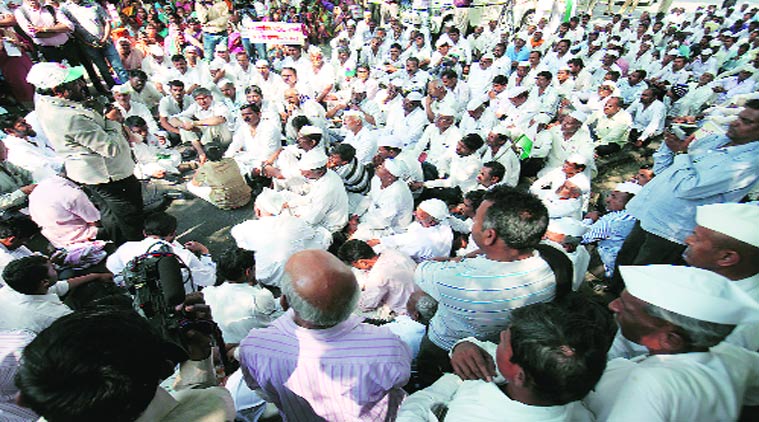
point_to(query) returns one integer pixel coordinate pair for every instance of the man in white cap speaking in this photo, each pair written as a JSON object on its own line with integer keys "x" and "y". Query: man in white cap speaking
{"x": 95, "y": 151}
{"x": 681, "y": 315}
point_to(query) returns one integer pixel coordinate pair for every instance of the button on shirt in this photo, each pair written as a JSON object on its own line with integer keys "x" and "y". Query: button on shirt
{"x": 709, "y": 173}
{"x": 476, "y": 296}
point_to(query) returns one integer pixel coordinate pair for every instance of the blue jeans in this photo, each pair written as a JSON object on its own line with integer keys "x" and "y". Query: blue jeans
{"x": 104, "y": 56}
{"x": 210, "y": 41}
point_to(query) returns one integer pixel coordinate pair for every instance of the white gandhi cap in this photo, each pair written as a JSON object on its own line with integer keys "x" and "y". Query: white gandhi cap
{"x": 739, "y": 221}
{"x": 691, "y": 292}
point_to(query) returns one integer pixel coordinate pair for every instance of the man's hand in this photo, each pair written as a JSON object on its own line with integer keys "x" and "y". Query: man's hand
{"x": 593, "y": 215}
{"x": 373, "y": 242}
{"x": 188, "y": 125}
{"x": 28, "y": 188}
{"x": 198, "y": 343}
{"x": 115, "y": 115}
{"x": 470, "y": 362}
{"x": 675, "y": 144}
{"x": 160, "y": 174}
{"x": 196, "y": 247}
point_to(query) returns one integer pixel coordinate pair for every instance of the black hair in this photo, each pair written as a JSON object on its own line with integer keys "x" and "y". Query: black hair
{"x": 135, "y": 121}
{"x": 232, "y": 264}
{"x": 472, "y": 141}
{"x": 24, "y": 275}
{"x": 520, "y": 219}
{"x": 137, "y": 73}
{"x": 178, "y": 58}
{"x": 160, "y": 224}
{"x": 496, "y": 169}
{"x": 95, "y": 365}
{"x": 253, "y": 106}
{"x": 176, "y": 82}
{"x": 546, "y": 74}
{"x": 353, "y": 250}
{"x": 346, "y": 151}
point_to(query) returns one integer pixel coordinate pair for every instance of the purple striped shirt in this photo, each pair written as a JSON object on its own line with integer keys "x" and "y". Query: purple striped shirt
{"x": 349, "y": 372}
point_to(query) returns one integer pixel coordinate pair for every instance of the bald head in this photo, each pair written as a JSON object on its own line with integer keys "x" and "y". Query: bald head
{"x": 320, "y": 288}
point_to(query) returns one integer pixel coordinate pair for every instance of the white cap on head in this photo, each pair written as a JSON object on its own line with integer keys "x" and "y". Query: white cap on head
{"x": 161, "y": 133}
{"x": 122, "y": 89}
{"x": 436, "y": 208}
{"x": 445, "y": 110}
{"x": 48, "y": 75}
{"x": 313, "y": 159}
{"x": 567, "y": 226}
{"x": 220, "y": 47}
{"x": 739, "y": 221}
{"x": 310, "y": 130}
{"x": 577, "y": 158}
{"x": 352, "y": 113}
{"x": 673, "y": 52}
{"x": 391, "y": 141}
{"x": 487, "y": 56}
{"x": 715, "y": 43}
{"x": 216, "y": 64}
{"x": 501, "y": 129}
{"x": 517, "y": 91}
{"x": 523, "y": 64}
{"x": 581, "y": 181}
{"x": 691, "y": 292}
{"x": 628, "y": 187}
{"x": 414, "y": 96}
{"x": 707, "y": 52}
{"x": 223, "y": 82}
{"x": 395, "y": 167}
{"x": 441, "y": 42}
{"x": 262, "y": 62}
{"x": 156, "y": 50}
{"x": 564, "y": 68}
{"x": 614, "y": 53}
{"x": 475, "y": 103}
{"x": 579, "y": 116}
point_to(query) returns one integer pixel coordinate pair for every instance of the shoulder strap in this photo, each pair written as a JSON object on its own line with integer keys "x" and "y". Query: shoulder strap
{"x": 561, "y": 266}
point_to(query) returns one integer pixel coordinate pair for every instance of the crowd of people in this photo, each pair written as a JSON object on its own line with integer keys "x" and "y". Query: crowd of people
{"x": 427, "y": 239}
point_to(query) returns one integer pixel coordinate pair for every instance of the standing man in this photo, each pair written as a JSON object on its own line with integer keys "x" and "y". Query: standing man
{"x": 213, "y": 16}
{"x": 92, "y": 28}
{"x": 96, "y": 152}
{"x": 714, "y": 169}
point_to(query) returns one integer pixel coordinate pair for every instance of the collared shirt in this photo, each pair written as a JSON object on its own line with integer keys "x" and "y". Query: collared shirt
{"x": 63, "y": 211}
{"x": 649, "y": 121}
{"x": 41, "y": 161}
{"x": 463, "y": 173}
{"x": 326, "y": 203}
{"x": 483, "y": 401}
{"x": 203, "y": 269}
{"x": 352, "y": 371}
{"x": 168, "y": 106}
{"x": 697, "y": 386}
{"x": 251, "y": 150}
{"x": 510, "y": 161}
{"x": 611, "y": 130}
{"x": 390, "y": 209}
{"x": 365, "y": 143}
{"x": 709, "y": 173}
{"x": 476, "y": 295}
{"x": 389, "y": 283}
{"x": 439, "y": 146}
{"x": 30, "y": 312}
{"x": 610, "y": 231}
{"x": 26, "y": 16}
{"x": 94, "y": 149}
{"x": 240, "y": 307}
{"x": 421, "y": 243}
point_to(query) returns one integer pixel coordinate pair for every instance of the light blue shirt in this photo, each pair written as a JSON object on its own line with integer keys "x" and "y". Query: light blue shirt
{"x": 709, "y": 173}
{"x": 610, "y": 231}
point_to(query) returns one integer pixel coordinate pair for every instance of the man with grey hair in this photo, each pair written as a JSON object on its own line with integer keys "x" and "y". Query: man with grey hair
{"x": 318, "y": 361}
{"x": 204, "y": 122}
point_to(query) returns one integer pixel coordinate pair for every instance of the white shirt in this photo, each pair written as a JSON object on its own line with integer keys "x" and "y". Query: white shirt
{"x": 421, "y": 243}
{"x": 699, "y": 386}
{"x": 203, "y": 269}
{"x": 240, "y": 307}
{"x": 326, "y": 203}
{"x": 649, "y": 120}
{"x": 463, "y": 173}
{"x": 390, "y": 209}
{"x": 439, "y": 146}
{"x": 510, "y": 161}
{"x": 31, "y": 312}
{"x": 389, "y": 283}
{"x": 39, "y": 160}
{"x": 365, "y": 144}
{"x": 249, "y": 150}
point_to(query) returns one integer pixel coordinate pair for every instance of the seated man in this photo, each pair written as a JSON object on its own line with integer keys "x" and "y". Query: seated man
{"x": 610, "y": 230}
{"x": 124, "y": 375}
{"x": 681, "y": 315}
{"x": 161, "y": 229}
{"x": 573, "y": 164}
{"x": 14, "y": 234}
{"x": 15, "y": 183}
{"x": 312, "y": 362}
{"x": 218, "y": 181}
{"x": 153, "y": 157}
{"x": 386, "y": 279}
{"x": 565, "y": 235}
{"x": 31, "y": 298}
{"x": 356, "y": 177}
{"x": 429, "y": 237}
{"x": 204, "y": 122}
{"x": 465, "y": 163}
{"x": 389, "y": 206}
{"x": 26, "y": 150}
{"x": 567, "y": 199}
{"x": 240, "y": 303}
{"x": 64, "y": 212}
{"x": 550, "y": 357}
{"x": 324, "y": 206}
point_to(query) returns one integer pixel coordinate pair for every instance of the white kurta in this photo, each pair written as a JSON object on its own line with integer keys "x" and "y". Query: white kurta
{"x": 389, "y": 211}
{"x": 421, "y": 243}
{"x": 702, "y": 386}
{"x": 249, "y": 150}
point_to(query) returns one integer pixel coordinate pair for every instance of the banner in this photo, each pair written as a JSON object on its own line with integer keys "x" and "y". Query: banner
{"x": 275, "y": 33}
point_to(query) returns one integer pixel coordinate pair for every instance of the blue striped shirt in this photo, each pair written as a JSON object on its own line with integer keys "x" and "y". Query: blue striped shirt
{"x": 476, "y": 296}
